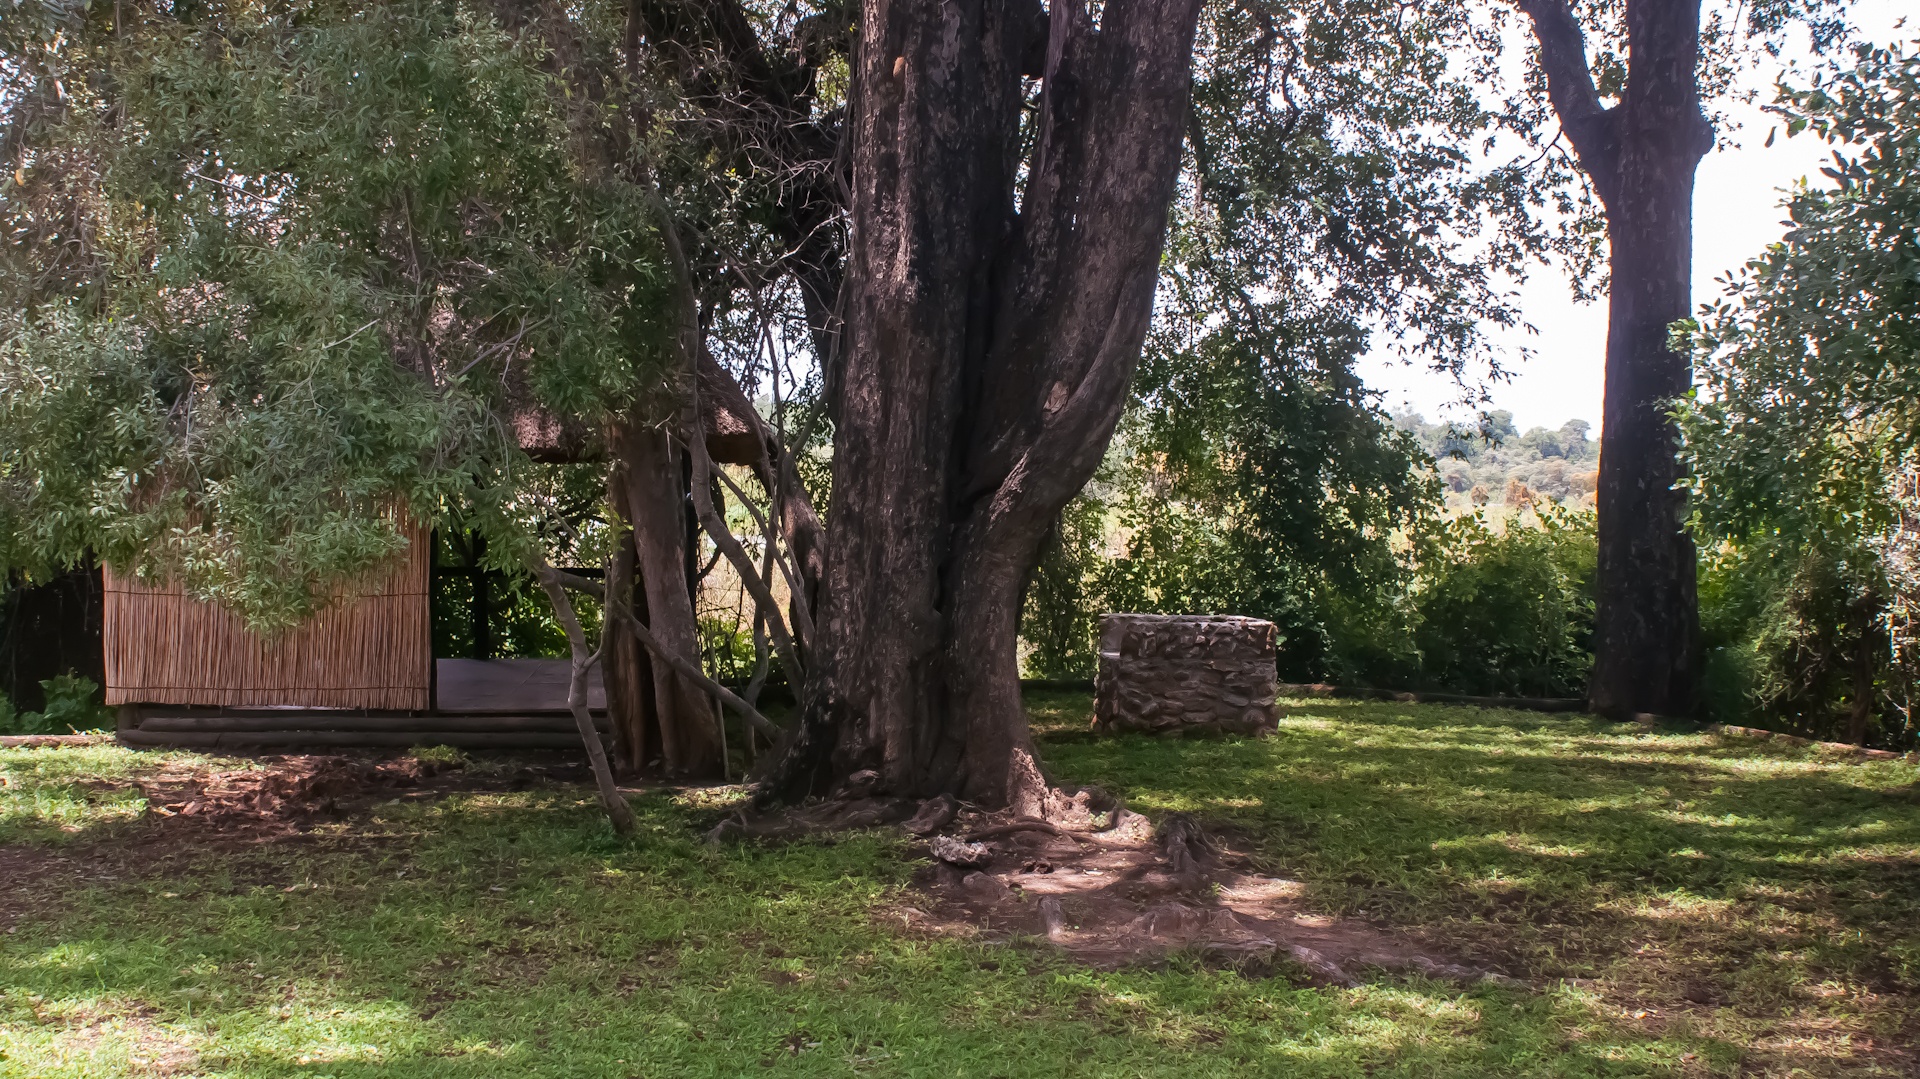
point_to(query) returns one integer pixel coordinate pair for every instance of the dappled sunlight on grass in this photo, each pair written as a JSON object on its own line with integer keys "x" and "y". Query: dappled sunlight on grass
{"x": 1680, "y": 905}
{"x": 1746, "y": 886}
{"x": 67, "y": 793}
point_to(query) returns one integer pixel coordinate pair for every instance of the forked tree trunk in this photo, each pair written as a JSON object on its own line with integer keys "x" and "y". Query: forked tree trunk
{"x": 580, "y": 666}
{"x": 1640, "y": 155}
{"x": 988, "y": 358}
{"x": 649, "y": 494}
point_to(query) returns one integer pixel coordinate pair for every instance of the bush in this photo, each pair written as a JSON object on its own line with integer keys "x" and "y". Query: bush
{"x": 1510, "y": 611}
{"x": 73, "y": 705}
{"x": 1461, "y": 606}
{"x": 1796, "y": 638}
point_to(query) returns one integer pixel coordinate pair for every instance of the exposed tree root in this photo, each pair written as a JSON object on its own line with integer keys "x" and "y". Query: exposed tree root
{"x": 793, "y": 822}
{"x": 1107, "y": 888}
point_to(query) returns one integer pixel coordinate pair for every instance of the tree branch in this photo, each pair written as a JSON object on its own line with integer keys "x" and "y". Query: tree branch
{"x": 618, "y": 811}
{"x": 716, "y": 530}
{"x": 1571, "y": 89}
{"x": 806, "y": 537}
{"x": 680, "y": 665}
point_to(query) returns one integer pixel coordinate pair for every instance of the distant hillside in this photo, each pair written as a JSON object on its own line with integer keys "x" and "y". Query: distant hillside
{"x": 1501, "y": 466}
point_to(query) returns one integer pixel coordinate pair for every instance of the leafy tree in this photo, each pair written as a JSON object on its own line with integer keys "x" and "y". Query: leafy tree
{"x": 1332, "y": 197}
{"x": 1629, "y": 104}
{"x": 1802, "y": 434}
{"x": 285, "y": 330}
{"x": 284, "y": 281}
{"x": 1272, "y": 485}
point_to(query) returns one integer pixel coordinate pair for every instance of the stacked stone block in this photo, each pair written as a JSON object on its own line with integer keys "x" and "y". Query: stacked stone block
{"x": 1175, "y": 674}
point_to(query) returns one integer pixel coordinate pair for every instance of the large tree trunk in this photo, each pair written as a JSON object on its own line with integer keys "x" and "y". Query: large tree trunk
{"x": 653, "y": 497}
{"x": 1641, "y": 155}
{"x": 627, "y": 669}
{"x": 987, "y": 362}
{"x": 1646, "y": 623}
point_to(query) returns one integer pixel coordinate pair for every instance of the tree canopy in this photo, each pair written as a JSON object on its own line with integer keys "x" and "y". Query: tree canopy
{"x": 278, "y": 278}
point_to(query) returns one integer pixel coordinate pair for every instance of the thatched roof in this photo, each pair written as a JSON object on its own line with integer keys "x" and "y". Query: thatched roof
{"x": 733, "y": 430}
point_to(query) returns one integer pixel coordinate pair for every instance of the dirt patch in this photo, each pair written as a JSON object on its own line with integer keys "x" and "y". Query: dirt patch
{"x": 285, "y": 794}
{"x": 1129, "y": 894}
{"x": 27, "y": 876}
{"x": 193, "y": 811}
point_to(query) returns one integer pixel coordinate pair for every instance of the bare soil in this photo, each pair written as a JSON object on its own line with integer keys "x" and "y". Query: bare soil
{"x": 1128, "y": 894}
{"x": 1106, "y": 887}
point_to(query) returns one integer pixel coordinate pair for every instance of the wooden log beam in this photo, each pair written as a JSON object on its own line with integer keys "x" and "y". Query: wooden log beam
{"x": 367, "y": 739}
{"x": 488, "y": 724}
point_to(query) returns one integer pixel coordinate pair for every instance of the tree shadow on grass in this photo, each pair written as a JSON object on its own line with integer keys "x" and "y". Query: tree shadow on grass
{"x": 1743, "y": 880}
{"x": 509, "y": 934}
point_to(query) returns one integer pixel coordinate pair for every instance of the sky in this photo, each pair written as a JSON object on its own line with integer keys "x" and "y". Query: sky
{"x": 1736, "y": 214}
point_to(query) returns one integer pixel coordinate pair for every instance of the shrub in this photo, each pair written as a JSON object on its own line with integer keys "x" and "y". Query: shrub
{"x": 1507, "y": 611}
{"x": 73, "y": 705}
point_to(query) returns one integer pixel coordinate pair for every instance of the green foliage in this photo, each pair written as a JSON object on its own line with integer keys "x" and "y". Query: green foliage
{"x": 323, "y": 261}
{"x": 1254, "y": 473}
{"x": 1797, "y": 638}
{"x": 1509, "y": 467}
{"x": 1809, "y": 369}
{"x": 73, "y": 705}
{"x": 1059, "y": 622}
{"x": 519, "y": 615}
{"x": 1804, "y": 430}
{"x": 1508, "y": 612}
{"x": 1456, "y": 605}
{"x": 1267, "y": 480}
{"x": 727, "y": 648}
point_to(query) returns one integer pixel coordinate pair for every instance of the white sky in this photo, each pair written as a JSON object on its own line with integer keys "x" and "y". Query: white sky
{"x": 1735, "y": 215}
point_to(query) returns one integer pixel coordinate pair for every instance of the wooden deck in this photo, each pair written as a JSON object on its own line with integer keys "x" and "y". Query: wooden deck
{"x": 483, "y": 704}
{"x": 508, "y": 686}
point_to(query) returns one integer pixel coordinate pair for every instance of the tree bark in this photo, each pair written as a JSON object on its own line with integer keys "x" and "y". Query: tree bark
{"x": 627, "y": 670}
{"x": 1640, "y": 155}
{"x": 648, "y": 476}
{"x": 988, "y": 356}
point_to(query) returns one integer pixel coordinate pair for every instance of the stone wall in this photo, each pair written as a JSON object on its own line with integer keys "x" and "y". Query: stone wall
{"x": 1176, "y": 673}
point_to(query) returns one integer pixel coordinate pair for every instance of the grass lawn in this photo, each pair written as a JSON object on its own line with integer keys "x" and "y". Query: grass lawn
{"x": 1677, "y": 903}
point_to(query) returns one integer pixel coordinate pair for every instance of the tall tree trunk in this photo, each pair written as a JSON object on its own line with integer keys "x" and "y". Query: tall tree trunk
{"x": 1640, "y": 155}
{"x": 627, "y": 669}
{"x": 649, "y": 478}
{"x": 987, "y": 361}
{"x": 1646, "y": 621}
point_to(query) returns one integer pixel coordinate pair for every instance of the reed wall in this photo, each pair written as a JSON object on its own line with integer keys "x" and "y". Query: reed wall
{"x": 371, "y": 649}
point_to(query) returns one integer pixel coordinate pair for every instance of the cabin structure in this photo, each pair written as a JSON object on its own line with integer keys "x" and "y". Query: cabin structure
{"x": 363, "y": 672}
{"x": 182, "y": 672}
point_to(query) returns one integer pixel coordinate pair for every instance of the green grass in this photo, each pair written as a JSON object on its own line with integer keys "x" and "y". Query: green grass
{"x": 1620, "y": 871}
{"x": 53, "y": 796}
